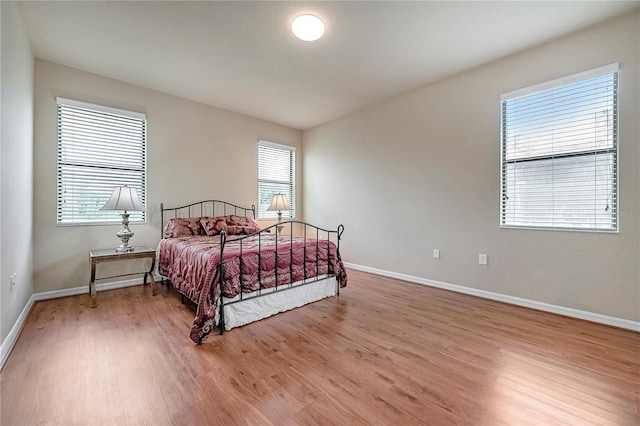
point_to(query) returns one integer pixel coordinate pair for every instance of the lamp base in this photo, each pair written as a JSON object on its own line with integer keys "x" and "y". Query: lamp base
{"x": 124, "y": 234}
{"x": 122, "y": 248}
{"x": 279, "y": 227}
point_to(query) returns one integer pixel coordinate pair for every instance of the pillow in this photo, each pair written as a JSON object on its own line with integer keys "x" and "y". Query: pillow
{"x": 213, "y": 225}
{"x": 233, "y": 220}
{"x": 182, "y": 227}
{"x": 241, "y": 230}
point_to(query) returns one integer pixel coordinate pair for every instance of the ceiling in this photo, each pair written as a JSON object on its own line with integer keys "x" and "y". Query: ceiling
{"x": 242, "y": 56}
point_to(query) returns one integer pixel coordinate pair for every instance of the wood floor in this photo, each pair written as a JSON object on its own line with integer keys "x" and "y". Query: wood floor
{"x": 384, "y": 352}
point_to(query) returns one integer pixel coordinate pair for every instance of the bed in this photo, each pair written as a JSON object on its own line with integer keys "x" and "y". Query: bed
{"x": 215, "y": 254}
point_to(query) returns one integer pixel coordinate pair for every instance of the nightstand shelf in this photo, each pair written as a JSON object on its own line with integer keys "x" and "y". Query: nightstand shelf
{"x": 111, "y": 255}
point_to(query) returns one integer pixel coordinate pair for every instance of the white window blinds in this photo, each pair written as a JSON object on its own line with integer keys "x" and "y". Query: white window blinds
{"x": 276, "y": 174}
{"x": 559, "y": 152}
{"x": 98, "y": 148}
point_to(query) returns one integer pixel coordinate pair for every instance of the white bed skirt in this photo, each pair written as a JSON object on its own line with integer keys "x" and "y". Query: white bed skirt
{"x": 256, "y": 308}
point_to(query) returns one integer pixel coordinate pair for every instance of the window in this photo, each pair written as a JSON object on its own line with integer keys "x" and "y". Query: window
{"x": 559, "y": 156}
{"x": 98, "y": 148}
{"x": 276, "y": 174}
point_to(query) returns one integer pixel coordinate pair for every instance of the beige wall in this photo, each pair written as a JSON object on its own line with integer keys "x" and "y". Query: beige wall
{"x": 195, "y": 152}
{"x": 421, "y": 171}
{"x": 16, "y": 178}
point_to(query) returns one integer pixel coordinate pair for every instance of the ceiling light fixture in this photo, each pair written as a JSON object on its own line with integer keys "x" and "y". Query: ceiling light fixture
{"x": 307, "y": 27}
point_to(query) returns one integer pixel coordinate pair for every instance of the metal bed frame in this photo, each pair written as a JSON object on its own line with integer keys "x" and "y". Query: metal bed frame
{"x": 202, "y": 208}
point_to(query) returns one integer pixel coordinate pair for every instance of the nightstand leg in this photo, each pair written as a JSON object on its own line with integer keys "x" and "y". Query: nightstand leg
{"x": 92, "y": 285}
{"x": 150, "y": 273}
{"x": 153, "y": 284}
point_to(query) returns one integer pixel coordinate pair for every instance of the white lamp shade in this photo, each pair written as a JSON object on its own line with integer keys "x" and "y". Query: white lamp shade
{"x": 124, "y": 198}
{"x": 279, "y": 202}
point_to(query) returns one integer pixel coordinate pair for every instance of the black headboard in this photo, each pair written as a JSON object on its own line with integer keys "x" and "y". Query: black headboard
{"x": 209, "y": 208}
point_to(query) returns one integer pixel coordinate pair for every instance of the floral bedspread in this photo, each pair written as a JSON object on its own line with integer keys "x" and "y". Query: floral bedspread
{"x": 192, "y": 265}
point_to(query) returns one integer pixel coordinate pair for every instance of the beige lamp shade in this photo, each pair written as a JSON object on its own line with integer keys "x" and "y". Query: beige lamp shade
{"x": 124, "y": 198}
{"x": 279, "y": 202}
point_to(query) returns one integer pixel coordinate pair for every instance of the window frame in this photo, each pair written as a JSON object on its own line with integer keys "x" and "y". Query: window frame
{"x": 113, "y": 217}
{"x": 555, "y": 84}
{"x": 292, "y": 200}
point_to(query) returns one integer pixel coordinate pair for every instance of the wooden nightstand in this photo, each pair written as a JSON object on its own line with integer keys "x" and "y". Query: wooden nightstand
{"x": 110, "y": 255}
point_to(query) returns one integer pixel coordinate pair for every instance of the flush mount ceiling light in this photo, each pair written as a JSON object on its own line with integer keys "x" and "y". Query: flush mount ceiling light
{"x": 307, "y": 27}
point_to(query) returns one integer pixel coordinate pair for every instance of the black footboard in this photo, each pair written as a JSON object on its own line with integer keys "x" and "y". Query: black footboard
{"x": 312, "y": 240}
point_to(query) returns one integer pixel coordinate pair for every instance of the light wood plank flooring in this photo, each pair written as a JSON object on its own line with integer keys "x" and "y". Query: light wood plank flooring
{"x": 385, "y": 352}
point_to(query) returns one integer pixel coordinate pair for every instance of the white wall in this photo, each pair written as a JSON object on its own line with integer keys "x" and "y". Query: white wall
{"x": 16, "y": 156}
{"x": 422, "y": 171}
{"x": 194, "y": 152}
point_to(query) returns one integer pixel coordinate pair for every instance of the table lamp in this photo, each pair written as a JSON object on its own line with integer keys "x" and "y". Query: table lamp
{"x": 124, "y": 198}
{"x": 279, "y": 202}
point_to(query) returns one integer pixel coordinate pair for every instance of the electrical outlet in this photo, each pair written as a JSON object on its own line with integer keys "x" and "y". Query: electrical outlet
{"x": 482, "y": 259}
{"x": 13, "y": 281}
{"x": 436, "y": 253}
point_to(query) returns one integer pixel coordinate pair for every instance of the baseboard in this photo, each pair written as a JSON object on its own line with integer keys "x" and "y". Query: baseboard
{"x": 533, "y": 304}
{"x": 12, "y": 337}
{"x": 46, "y": 295}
